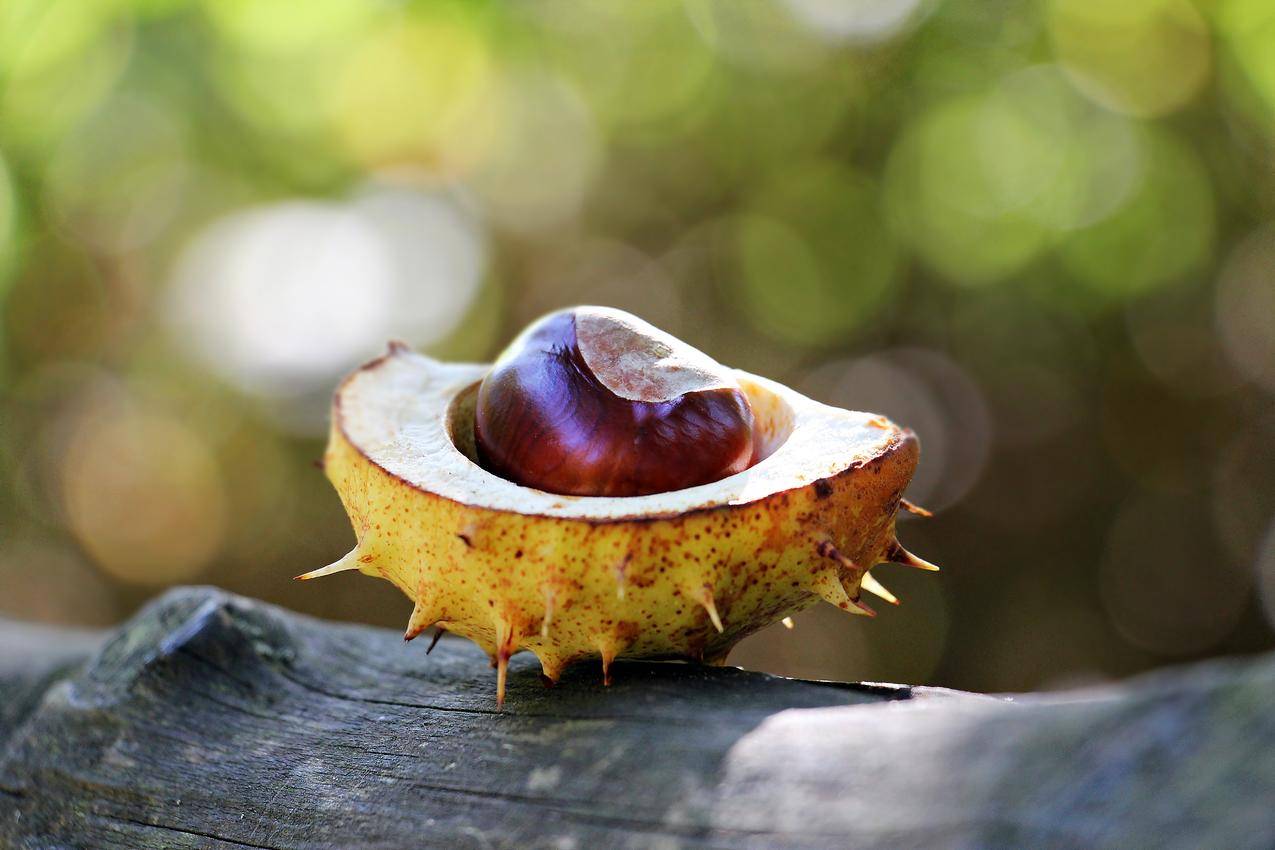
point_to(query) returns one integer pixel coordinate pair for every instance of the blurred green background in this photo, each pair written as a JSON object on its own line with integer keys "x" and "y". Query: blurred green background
{"x": 1040, "y": 233}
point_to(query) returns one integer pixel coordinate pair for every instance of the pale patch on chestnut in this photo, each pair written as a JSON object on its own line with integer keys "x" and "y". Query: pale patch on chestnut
{"x": 638, "y": 361}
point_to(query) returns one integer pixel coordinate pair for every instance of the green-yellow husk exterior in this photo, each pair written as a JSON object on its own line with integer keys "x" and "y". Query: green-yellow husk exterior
{"x": 691, "y": 584}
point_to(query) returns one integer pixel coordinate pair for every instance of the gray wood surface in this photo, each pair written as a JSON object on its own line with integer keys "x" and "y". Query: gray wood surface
{"x": 214, "y": 721}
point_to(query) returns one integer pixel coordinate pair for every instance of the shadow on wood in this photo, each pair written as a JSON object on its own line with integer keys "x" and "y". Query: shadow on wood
{"x": 214, "y": 721}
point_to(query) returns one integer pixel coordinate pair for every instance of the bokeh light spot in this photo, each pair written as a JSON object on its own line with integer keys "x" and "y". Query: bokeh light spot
{"x": 1171, "y": 331}
{"x": 739, "y": 152}
{"x": 40, "y": 34}
{"x": 604, "y": 272}
{"x": 142, "y": 494}
{"x": 1142, "y": 57}
{"x": 280, "y": 300}
{"x": 663, "y": 73}
{"x": 437, "y": 249}
{"x": 930, "y": 394}
{"x": 58, "y": 61}
{"x": 1243, "y": 498}
{"x": 856, "y": 21}
{"x": 541, "y": 156}
{"x": 1247, "y": 28}
{"x": 58, "y": 306}
{"x": 1164, "y": 587}
{"x": 1246, "y": 307}
{"x": 816, "y": 261}
{"x": 759, "y": 36}
{"x": 1035, "y": 394}
{"x": 1070, "y": 162}
{"x": 288, "y": 25}
{"x": 950, "y": 198}
{"x": 981, "y": 185}
{"x": 49, "y": 582}
{"x": 1163, "y": 232}
{"x": 414, "y": 92}
{"x": 116, "y": 181}
{"x": 284, "y": 98}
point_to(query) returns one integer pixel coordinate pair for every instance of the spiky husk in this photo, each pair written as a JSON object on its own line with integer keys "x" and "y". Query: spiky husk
{"x": 688, "y": 585}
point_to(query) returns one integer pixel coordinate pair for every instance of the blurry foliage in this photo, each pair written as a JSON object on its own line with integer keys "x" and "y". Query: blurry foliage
{"x": 1043, "y": 234}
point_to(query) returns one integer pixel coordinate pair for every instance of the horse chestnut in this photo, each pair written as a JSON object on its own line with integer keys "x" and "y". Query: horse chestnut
{"x": 593, "y": 401}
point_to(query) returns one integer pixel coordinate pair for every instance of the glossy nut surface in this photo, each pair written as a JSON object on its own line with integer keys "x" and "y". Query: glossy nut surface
{"x": 596, "y": 402}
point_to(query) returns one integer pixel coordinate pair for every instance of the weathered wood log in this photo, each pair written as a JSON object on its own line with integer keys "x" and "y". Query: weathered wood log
{"x": 215, "y": 721}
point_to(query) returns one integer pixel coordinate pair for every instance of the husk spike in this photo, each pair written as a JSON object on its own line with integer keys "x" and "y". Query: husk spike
{"x": 861, "y": 607}
{"x": 916, "y": 509}
{"x": 350, "y": 561}
{"x": 424, "y": 614}
{"x": 506, "y": 646}
{"x": 608, "y": 655}
{"x": 706, "y": 599}
{"x": 873, "y": 586}
{"x": 896, "y": 554}
{"x": 550, "y": 665}
{"x": 418, "y": 623}
{"x": 502, "y": 673}
{"x": 828, "y": 586}
{"x": 828, "y": 550}
{"x": 438, "y": 633}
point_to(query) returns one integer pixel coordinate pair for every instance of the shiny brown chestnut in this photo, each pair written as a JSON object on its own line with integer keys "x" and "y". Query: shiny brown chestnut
{"x": 592, "y": 401}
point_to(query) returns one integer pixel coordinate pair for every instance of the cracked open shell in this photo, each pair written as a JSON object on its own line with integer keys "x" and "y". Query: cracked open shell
{"x": 678, "y": 574}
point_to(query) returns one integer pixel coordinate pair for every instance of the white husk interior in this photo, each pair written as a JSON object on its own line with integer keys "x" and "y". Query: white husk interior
{"x": 398, "y": 415}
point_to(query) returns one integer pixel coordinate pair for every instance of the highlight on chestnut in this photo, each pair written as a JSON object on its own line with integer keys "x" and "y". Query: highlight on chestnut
{"x": 605, "y": 490}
